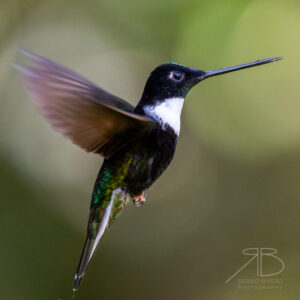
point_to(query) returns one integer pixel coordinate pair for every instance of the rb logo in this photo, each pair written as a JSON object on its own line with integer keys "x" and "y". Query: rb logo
{"x": 258, "y": 254}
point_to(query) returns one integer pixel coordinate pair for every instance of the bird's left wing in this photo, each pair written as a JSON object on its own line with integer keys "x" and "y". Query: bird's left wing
{"x": 90, "y": 117}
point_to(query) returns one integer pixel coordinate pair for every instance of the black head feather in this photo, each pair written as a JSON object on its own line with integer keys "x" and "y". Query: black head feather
{"x": 168, "y": 81}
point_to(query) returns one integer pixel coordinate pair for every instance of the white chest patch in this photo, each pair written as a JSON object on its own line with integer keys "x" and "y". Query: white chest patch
{"x": 166, "y": 112}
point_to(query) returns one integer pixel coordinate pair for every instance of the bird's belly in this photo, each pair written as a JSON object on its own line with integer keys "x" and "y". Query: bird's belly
{"x": 139, "y": 176}
{"x": 150, "y": 158}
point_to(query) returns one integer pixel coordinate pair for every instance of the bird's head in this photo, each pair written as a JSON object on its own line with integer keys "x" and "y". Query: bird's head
{"x": 170, "y": 80}
{"x": 168, "y": 85}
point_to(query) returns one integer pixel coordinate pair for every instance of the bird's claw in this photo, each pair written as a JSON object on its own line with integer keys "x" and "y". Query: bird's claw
{"x": 139, "y": 200}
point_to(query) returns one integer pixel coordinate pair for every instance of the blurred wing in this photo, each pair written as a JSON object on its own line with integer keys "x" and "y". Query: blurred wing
{"x": 90, "y": 117}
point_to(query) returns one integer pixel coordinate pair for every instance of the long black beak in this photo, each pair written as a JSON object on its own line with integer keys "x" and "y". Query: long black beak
{"x": 211, "y": 73}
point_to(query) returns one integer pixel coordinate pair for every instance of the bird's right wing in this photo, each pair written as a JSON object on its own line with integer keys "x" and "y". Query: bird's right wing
{"x": 90, "y": 117}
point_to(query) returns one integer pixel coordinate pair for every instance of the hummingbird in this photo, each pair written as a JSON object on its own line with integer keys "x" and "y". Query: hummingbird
{"x": 137, "y": 143}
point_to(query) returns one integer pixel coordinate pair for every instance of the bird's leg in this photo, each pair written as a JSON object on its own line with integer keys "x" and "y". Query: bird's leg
{"x": 140, "y": 199}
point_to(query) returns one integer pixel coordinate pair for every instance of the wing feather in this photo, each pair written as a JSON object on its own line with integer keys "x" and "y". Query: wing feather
{"x": 89, "y": 116}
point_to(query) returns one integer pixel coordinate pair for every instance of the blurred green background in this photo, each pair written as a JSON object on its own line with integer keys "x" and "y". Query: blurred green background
{"x": 234, "y": 182}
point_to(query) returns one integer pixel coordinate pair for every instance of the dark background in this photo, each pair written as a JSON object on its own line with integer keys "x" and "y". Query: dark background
{"x": 234, "y": 182}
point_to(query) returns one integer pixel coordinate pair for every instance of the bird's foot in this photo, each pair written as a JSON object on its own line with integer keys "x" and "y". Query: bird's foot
{"x": 139, "y": 200}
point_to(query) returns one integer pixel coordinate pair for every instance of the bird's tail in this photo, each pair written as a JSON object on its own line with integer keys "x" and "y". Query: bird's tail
{"x": 84, "y": 261}
{"x": 107, "y": 215}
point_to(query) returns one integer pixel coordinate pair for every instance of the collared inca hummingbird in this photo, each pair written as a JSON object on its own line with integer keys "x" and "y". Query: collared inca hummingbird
{"x": 137, "y": 143}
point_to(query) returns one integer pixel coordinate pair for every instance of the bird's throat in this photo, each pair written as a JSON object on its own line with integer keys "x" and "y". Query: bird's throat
{"x": 166, "y": 112}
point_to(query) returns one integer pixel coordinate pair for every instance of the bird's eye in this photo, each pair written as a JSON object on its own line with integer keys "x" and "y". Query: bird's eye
{"x": 176, "y": 76}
